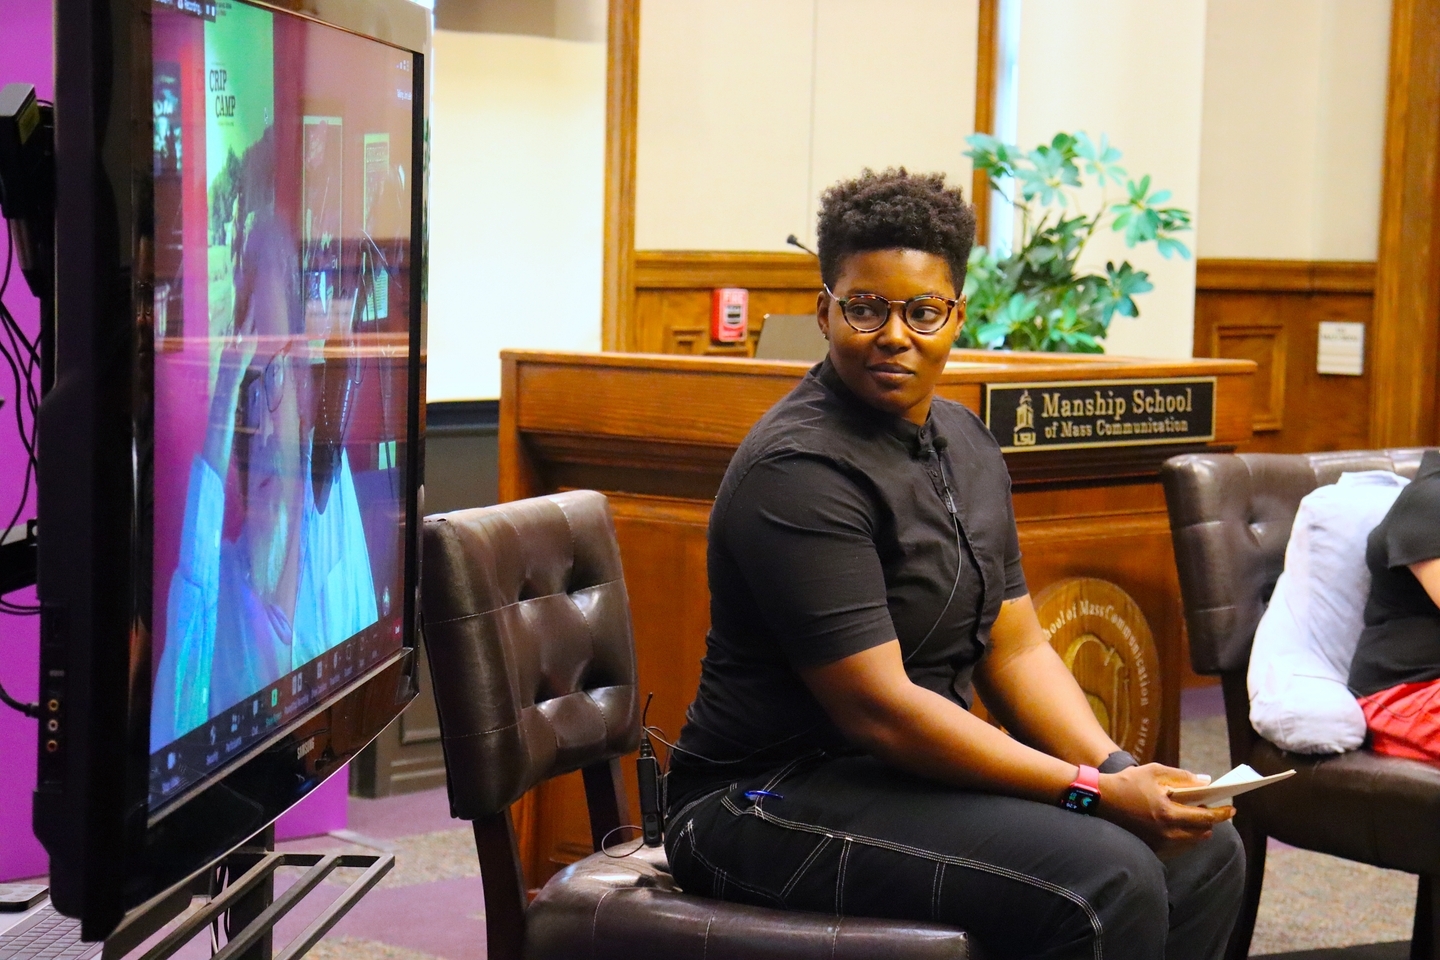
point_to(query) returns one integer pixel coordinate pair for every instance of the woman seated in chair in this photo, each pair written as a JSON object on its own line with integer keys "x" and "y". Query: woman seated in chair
{"x": 864, "y": 571}
{"x": 1396, "y": 670}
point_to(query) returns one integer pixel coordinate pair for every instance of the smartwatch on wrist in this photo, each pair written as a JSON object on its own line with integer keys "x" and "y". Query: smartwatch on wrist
{"x": 1083, "y": 795}
{"x": 1117, "y": 761}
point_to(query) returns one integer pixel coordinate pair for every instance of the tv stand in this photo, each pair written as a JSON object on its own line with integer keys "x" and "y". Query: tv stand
{"x": 249, "y": 898}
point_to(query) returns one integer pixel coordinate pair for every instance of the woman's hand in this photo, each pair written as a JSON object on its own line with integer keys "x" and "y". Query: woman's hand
{"x": 1139, "y": 800}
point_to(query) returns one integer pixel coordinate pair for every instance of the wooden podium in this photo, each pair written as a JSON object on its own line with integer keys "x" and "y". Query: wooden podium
{"x": 655, "y": 433}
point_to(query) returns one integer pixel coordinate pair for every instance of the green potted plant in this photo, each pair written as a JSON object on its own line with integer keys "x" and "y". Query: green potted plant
{"x": 1033, "y": 297}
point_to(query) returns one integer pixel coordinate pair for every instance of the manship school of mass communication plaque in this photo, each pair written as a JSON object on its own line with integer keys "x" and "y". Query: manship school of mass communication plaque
{"x": 1071, "y": 414}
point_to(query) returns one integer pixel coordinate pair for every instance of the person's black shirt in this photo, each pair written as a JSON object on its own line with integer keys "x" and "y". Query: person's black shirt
{"x": 1401, "y": 640}
{"x": 831, "y": 535}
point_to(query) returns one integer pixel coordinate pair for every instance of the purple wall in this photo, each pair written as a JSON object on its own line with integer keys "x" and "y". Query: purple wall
{"x": 325, "y": 809}
{"x": 26, "y": 54}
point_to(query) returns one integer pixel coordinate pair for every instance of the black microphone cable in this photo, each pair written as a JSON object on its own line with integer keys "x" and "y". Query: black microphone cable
{"x": 652, "y": 785}
{"x": 937, "y": 449}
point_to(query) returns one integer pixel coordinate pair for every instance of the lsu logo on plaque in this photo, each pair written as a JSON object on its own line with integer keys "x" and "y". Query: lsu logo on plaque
{"x": 1065, "y": 415}
{"x": 1100, "y": 633}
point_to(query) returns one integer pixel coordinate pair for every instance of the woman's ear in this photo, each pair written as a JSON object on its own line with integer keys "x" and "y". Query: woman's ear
{"x": 822, "y": 313}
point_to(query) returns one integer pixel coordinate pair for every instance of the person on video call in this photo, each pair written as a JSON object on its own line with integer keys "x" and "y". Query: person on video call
{"x": 296, "y": 581}
{"x": 864, "y": 568}
{"x": 1396, "y": 669}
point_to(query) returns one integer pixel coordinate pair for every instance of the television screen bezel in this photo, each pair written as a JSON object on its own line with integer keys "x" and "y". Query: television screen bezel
{"x": 108, "y": 854}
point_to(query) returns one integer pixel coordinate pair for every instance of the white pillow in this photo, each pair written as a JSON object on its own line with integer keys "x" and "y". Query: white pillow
{"x": 1300, "y": 663}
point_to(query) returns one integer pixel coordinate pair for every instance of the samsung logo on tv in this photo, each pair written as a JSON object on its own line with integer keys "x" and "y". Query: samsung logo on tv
{"x": 304, "y": 748}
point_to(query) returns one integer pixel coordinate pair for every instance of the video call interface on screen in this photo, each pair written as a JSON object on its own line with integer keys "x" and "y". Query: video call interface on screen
{"x": 283, "y": 189}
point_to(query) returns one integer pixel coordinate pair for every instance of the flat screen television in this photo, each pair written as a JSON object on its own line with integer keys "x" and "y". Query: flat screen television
{"x": 231, "y": 453}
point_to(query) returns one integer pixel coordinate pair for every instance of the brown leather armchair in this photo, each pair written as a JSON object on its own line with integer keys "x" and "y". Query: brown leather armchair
{"x": 527, "y": 628}
{"x": 1230, "y": 519}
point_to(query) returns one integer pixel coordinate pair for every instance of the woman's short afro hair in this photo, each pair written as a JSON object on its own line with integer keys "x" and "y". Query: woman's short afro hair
{"x": 894, "y": 210}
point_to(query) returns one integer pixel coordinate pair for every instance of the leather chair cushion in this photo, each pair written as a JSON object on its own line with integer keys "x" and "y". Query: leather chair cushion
{"x": 1356, "y": 805}
{"x": 605, "y": 908}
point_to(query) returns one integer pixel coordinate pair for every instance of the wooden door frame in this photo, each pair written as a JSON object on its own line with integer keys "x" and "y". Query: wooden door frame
{"x": 622, "y": 101}
{"x": 1405, "y": 341}
{"x": 987, "y": 62}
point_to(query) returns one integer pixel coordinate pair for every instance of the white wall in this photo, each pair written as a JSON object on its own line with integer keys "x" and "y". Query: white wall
{"x": 516, "y": 203}
{"x": 749, "y": 108}
{"x": 894, "y": 86}
{"x": 1294, "y": 128}
{"x": 723, "y": 135}
{"x": 1132, "y": 69}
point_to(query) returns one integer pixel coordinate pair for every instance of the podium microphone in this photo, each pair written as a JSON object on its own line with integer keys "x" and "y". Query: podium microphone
{"x": 794, "y": 241}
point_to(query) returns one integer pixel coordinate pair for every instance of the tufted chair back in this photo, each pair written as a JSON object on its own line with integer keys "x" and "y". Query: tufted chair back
{"x": 1230, "y": 518}
{"x": 527, "y": 629}
{"x": 527, "y": 626}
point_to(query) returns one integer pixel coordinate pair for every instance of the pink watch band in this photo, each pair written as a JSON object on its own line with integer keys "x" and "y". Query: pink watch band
{"x": 1089, "y": 778}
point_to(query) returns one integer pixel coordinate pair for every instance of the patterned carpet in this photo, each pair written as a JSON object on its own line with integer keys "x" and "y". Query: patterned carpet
{"x": 430, "y": 906}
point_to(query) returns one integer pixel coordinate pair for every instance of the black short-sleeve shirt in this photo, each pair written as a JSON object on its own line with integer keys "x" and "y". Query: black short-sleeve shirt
{"x": 830, "y": 535}
{"x": 1401, "y": 640}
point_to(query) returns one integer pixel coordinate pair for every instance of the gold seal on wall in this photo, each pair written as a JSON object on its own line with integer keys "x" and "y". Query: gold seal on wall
{"x": 1102, "y": 636}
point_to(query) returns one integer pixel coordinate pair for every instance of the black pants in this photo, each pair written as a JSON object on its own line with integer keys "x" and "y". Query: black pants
{"x": 852, "y": 836}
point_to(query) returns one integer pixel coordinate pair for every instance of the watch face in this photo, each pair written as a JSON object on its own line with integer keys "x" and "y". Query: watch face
{"x": 1080, "y": 800}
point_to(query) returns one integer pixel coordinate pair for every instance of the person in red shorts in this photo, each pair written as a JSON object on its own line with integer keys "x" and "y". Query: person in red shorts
{"x": 1396, "y": 670}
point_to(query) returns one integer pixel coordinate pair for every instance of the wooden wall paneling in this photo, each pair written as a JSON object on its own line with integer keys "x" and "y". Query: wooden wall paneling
{"x": 517, "y": 472}
{"x": 1335, "y": 414}
{"x": 703, "y": 269}
{"x": 678, "y": 321}
{"x": 557, "y": 836}
{"x": 629, "y": 399}
{"x": 987, "y": 59}
{"x": 1270, "y": 311}
{"x": 1263, "y": 342}
{"x": 622, "y": 93}
{"x": 1285, "y": 276}
{"x": 672, "y": 295}
{"x": 1406, "y": 340}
